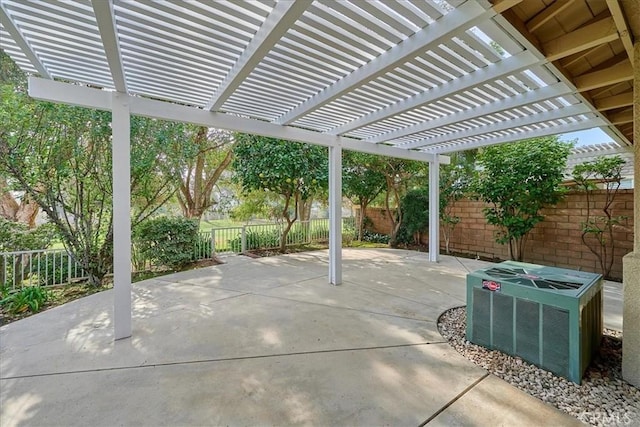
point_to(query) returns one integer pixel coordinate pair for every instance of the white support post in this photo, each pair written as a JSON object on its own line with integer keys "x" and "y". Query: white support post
{"x": 434, "y": 210}
{"x": 120, "y": 148}
{"x": 335, "y": 215}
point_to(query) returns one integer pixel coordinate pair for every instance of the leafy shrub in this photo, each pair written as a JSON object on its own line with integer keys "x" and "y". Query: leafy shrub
{"x": 257, "y": 240}
{"x": 263, "y": 239}
{"x": 167, "y": 241}
{"x": 367, "y": 223}
{"x": 370, "y": 236}
{"x": 298, "y": 235}
{"x": 415, "y": 211}
{"x": 30, "y": 298}
{"x": 320, "y": 233}
{"x": 15, "y": 236}
{"x": 54, "y": 270}
{"x": 202, "y": 248}
{"x": 349, "y": 233}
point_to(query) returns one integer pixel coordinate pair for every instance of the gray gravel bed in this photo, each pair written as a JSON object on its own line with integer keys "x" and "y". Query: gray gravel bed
{"x": 603, "y": 398}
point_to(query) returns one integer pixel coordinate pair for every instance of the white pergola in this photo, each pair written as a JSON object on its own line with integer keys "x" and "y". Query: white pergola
{"x": 414, "y": 79}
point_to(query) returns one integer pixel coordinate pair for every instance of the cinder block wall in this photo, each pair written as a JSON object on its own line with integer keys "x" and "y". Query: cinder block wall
{"x": 556, "y": 241}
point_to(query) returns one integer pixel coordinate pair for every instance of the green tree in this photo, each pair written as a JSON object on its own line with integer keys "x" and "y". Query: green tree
{"x": 199, "y": 156}
{"x": 360, "y": 182}
{"x": 152, "y": 163}
{"x": 597, "y": 230}
{"x": 293, "y": 170}
{"x": 18, "y": 209}
{"x": 257, "y": 204}
{"x": 455, "y": 179}
{"x": 398, "y": 175}
{"x": 60, "y": 156}
{"x": 415, "y": 215}
{"x": 517, "y": 180}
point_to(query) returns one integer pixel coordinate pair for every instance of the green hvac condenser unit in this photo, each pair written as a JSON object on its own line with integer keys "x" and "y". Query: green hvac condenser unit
{"x": 551, "y": 317}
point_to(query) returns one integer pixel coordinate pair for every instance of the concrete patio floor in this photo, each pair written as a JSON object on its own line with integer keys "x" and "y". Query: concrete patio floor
{"x": 265, "y": 342}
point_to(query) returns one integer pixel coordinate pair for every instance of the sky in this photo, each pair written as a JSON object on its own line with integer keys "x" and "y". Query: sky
{"x": 587, "y": 137}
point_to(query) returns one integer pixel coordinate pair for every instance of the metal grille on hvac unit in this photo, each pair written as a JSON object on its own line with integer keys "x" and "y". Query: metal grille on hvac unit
{"x": 550, "y": 317}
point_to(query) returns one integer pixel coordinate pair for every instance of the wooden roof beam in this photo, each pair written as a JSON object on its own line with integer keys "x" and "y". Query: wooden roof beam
{"x": 500, "y": 6}
{"x": 584, "y": 38}
{"x": 621, "y": 24}
{"x": 622, "y": 117}
{"x": 606, "y": 91}
{"x": 620, "y": 72}
{"x": 572, "y": 59}
{"x": 616, "y": 101}
{"x": 547, "y": 14}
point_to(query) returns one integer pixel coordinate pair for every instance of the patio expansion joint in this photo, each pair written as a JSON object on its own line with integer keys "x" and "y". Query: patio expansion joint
{"x": 455, "y": 399}
{"x": 221, "y": 359}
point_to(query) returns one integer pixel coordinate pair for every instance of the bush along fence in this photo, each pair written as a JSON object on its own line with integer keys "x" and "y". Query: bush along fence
{"x": 50, "y": 267}
{"x": 267, "y": 236}
{"x": 555, "y": 242}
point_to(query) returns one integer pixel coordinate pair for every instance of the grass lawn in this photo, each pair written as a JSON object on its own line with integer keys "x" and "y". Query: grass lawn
{"x": 221, "y": 223}
{"x": 217, "y": 223}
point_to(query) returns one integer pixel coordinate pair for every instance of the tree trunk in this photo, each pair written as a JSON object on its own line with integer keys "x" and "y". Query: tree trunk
{"x": 304, "y": 209}
{"x": 24, "y": 212}
{"x": 395, "y": 219}
{"x": 363, "y": 214}
{"x": 289, "y": 220}
{"x": 28, "y": 212}
{"x": 8, "y": 204}
{"x": 196, "y": 187}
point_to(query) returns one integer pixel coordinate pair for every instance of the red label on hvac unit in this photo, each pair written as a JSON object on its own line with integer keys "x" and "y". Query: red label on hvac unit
{"x": 491, "y": 285}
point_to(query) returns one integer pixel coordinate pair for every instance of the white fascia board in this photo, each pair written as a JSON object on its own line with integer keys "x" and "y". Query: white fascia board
{"x": 531, "y": 97}
{"x": 615, "y": 134}
{"x": 66, "y": 93}
{"x": 103, "y": 10}
{"x": 573, "y": 110}
{"x": 490, "y": 73}
{"x": 443, "y": 29}
{"x": 554, "y": 130}
{"x": 173, "y": 112}
{"x": 83, "y": 96}
{"x": 283, "y": 16}
{"x": 22, "y": 43}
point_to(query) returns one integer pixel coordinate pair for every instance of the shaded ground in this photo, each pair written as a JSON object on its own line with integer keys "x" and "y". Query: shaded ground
{"x": 262, "y": 342}
{"x": 59, "y": 295}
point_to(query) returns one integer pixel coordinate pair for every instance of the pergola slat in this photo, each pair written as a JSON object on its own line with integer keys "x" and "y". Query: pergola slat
{"x": 437, "y": 32}
{"x": 507, "y": 66}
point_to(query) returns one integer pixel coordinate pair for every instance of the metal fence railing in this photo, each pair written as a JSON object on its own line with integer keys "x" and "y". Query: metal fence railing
{"x": 49, "y": 267}
{"x": 45, "y": 267}
{"x": 268, "y": 236}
